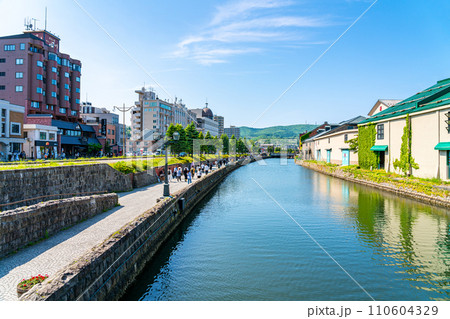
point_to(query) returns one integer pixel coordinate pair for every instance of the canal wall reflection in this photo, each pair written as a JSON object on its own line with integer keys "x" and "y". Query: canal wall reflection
{"x": 412, "y": 236}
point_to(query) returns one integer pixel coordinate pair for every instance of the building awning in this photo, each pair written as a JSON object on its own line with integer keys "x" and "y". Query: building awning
{"x": 379, "y": 148}
{"x": 443, "y": 146}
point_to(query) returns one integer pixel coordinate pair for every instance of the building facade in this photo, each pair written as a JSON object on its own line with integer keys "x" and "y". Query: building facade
{"x": 220, "y": 121}
{"x": 333, "y": 146}
{"x": 151, "y": 115}
{"x": 11, "y": 130}
{"x": 233, "y": 130}
{"x": 41, "y": 141}
{"x": 429, "y": 117}
{"x": 205, "y": 121}
{"x": 36, "y": 75}
{"x": 108, "y": 125}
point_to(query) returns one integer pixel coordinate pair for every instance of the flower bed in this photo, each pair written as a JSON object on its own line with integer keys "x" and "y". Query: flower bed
{"x": 27, "y": 284}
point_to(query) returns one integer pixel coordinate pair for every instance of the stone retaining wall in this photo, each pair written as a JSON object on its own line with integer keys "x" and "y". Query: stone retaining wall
{"x": 41, "y": 184}
{"x": 109, "y": 268}
{"x": 21, "y": 226}
{"x": 429, "y": 199}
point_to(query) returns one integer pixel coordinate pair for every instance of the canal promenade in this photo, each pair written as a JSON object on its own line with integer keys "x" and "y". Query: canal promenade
{"x": 56, "y": 252}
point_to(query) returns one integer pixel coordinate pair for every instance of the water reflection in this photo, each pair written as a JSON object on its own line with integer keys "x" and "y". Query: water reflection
{"x": 413, "y": 238}
{"x": 239, "y": 245}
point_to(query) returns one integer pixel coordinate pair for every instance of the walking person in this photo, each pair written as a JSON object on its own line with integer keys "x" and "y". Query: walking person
{"x": 174, "y": 174}
{"x": 189, "y": 177}
{"x": 179, "y": 174}
{"x": 185, "y": 173}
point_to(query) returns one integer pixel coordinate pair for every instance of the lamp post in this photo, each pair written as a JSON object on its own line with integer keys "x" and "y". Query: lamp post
{"x": 175, "y": 137}
{"x": 124, "y": 143}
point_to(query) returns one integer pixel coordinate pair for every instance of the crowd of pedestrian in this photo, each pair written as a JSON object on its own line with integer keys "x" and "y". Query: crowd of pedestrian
{"x": 178, "y": 173}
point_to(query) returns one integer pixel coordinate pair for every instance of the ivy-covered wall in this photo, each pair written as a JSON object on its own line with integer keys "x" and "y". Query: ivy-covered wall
{"x": 366, "y": 139}
{"x": 406, "y": 161}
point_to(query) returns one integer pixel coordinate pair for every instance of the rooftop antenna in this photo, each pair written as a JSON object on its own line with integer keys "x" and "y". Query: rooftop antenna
{"x": 28, "y": 25}
{"x": 206, "y": 102}
{"x": 45, "y": 28}
{"x": 34, "y": 23}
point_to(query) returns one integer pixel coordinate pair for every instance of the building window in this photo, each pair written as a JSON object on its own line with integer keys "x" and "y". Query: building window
{"x": 53, "y": 94}
{"x": 52, "y": 56}
{"x": 66, "y": 74}
{"x": 52, "y": 136}
{"x": 66, "y": 86}
{"x": 345, "y": 137}
{"x": 2, "y": 60}
{"x": 380, "y": 131}
{"x": 19, "y": 88}
{"x": 35, "y": 105}
{"x": 39, "y": 64}
{"x": 2, "y": 73}
{"x": 66, "y": 98}
{"x": 19, "y": 75}
{"x": 19, "y": 61}
{"x": 77, "y": 90}
{"x": 54, "y": 82}
{"x": 22, "y": 46}
{"x": 77, "y": 79}
{"x": 10, "y": 47}
{"x": 77, "y": 101}
{"x": 54, "y": 69}
{"x": 74, "y": 113}
{"x": 62, "y": 110}
{"x": 2, "y": 87}
{"x": 15, "y": 128}
{"x": 39, "y": 90}
{"x": 39, "y": 77}
{"x": 43, "y": 136}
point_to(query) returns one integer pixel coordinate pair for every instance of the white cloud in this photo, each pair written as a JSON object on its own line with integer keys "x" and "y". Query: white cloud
{"x": 240, "y": 27}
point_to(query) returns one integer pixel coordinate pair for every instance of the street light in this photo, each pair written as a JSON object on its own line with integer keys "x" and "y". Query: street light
{"x": 175, "y": 137}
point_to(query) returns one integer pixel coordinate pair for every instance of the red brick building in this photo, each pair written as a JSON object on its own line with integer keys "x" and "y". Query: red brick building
{"x": 34, "y": 74}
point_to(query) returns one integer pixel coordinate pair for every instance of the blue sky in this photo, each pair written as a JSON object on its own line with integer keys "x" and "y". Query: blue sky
{"x": 241, "y": 55}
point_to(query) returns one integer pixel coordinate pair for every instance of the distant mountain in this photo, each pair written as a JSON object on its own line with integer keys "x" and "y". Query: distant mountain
{"x": 289, "y": 131}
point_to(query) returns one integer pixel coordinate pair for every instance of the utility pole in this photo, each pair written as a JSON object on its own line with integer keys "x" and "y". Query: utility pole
{"x": 123, "y": 110}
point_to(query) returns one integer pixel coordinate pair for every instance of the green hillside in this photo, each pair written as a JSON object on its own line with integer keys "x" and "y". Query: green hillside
{"x": 289, "y": 131}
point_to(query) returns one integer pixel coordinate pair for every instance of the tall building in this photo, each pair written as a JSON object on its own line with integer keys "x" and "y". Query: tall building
{"x": 36, "y": 75}
{"x": 220, "y": 120}
{"x": 205, "y": 121}
{"x": 153, "y": 115}
{"x": 233, "y": 130}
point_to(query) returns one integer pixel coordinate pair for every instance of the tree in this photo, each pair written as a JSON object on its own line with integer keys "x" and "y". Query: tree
{"x": 353, "y": 144}
{"x": 201, "y": 138}
{"x": 93, "y": 149}
{"x": 107, "y": 149}
{"x": 180, "y": 145}
{"x": 232, "y": 144}
{"x": 207, "y": 148}
{"x": 240, "y": 146}
{"x": 191, "y": 135}
{"x": 225, "y": 144}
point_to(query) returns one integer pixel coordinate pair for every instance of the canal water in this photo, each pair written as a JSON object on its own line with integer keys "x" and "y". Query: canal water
{"x": 348, "y": 242}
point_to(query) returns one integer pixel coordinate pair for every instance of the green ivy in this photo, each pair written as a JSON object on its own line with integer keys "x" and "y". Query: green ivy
{"x": 406, "y": 161}
{"x": 366, "y": 139}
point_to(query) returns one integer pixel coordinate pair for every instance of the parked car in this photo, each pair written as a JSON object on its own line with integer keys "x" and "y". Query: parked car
{"x": 183, "y": 154}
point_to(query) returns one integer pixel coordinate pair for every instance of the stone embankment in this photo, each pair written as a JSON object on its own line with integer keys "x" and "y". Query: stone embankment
{"x": 409, "y": 193}
{"x": 23, "y": 187}
{"x": 22, "y": 226}
{"x": 109, "y": 268}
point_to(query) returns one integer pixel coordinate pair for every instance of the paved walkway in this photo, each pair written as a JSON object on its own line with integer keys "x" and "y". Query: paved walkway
{"x": 51, "y": 255}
